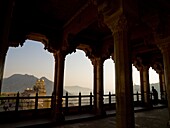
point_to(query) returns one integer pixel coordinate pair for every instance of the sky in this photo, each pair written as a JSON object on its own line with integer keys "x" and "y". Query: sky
{"x": 33, "y": 59}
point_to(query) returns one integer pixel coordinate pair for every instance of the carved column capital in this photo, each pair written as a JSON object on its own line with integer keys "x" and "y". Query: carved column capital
{"x": 59, "y": 54}
{"x": 117, "y": 24}
{"x": 97, "y": 60}
{"x": 164, "y": 44}
{"x": 141, "y": 64}
{"x": 158, "y": 67}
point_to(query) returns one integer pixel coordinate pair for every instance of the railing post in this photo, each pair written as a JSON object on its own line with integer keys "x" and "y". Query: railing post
{"x": 52, "y": 101}
{"x": 137, "y": 96}
{"x": 109, "y": 98}
{"x": 79, "y": 101}
{"x": 36, "y": 101}
{"x": 17, "y": 102}
{"x": 66, "y": 102}
{"x": 91, "y": 99}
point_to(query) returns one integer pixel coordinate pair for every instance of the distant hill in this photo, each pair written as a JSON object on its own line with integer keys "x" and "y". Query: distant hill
{"x": 76, "y": 89}
{"x": 18, "y": 83}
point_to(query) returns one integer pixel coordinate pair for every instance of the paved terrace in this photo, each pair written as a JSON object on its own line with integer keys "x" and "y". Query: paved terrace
{"x": 155, "y": 118}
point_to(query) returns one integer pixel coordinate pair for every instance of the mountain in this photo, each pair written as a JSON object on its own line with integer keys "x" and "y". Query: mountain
{"x": 76, "y": 89}
{"x": 18, "y": 83}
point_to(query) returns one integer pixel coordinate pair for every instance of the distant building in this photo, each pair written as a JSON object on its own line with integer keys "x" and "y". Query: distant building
{"x": 39, "y": 88}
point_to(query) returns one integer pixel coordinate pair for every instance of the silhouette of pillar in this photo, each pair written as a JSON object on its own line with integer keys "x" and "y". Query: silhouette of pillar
{"x": 95, "y": 84}
{"x": 2, "y": 63}
{"x": 98, "y": 86}
{"x": 165, "y": 48}
{"x": 162, "y": 85}
{"x": 138, "y": 64}
{"x": 143, "y": 67}
{"x": 58, "y": 86}
{"x": 158, "y": 67}
{"x": 141, "y": 85}
{"x": 123, "y": 71}
{"x": 146, "y": 86}
{"x": 7, "y": 9}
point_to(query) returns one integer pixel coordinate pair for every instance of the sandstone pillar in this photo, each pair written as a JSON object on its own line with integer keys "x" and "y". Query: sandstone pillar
{"x": 123, "y": 70}
{"x": 2, "y": 63}
{"x": 146, "y": 86}
{"x": 141, "y": 85}
{"x": 98, "y": 86}
{"x": 7, "y": 9}
{"x": 165, "y": 48}
{"x": 58, "y": 86}
{"x": 162, "y": 86}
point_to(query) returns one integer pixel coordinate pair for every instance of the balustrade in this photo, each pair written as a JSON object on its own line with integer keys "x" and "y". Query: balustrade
{"x": 19, "y": 103}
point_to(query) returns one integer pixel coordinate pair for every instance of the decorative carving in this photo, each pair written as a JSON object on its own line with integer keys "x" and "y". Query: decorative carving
{"x": 158, "y": 67}
{"x": 117, "y": 24}
{"x": 39, "y": 37}
{"x": 108, "y": 7}
{"x": 141, "y": 64}
{"x": 164, "y": 44}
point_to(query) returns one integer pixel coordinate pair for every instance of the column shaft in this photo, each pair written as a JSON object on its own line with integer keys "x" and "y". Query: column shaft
{"x": 146, "y": 87}
{"x": 162, "y": 86}
{"x": 166, "y": 60}
{"x": 2, "y": 63}
{"x": 98, "y": 86}
{"x": 59, "y": 78}
{"x": 95, "y": 86}
{"x": 99, "y": 89}
{"x": 123, "y": 70}
{"x": 141, "y": 86}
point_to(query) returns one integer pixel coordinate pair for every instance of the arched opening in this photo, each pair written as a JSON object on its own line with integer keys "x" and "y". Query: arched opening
{"x": 78, "y": 73}
{"x": 109, "y": 76}
{"x": 24, "y": 65}
{"x": 154, "y": 81}
{"x": 136, "y": 80}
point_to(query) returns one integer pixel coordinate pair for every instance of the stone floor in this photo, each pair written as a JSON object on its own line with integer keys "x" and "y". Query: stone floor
{"x": 156, "y": 118}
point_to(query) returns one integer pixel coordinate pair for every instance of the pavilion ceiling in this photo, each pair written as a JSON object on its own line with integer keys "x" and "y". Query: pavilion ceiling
{"x": 79, "y": 22}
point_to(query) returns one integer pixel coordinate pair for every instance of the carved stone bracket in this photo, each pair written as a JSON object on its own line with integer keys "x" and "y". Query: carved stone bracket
{"x": 117, "y": 24}
{"x": 164, "y": 44}
{"x": 158, "y": 67}
{"x": 141, "y": 64}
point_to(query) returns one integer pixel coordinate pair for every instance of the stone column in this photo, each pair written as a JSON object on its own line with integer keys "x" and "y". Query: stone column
{"x": 58, "y": 86}
{"x": 95, "y": 84}
{"x": 141, "y": 85}
{"x": 123, "y": 70}
{"x": 98, "y": 86}
{"x": 2, "y": 63}
{"x": 158, "y": 67}
{"x": 162, "y": 86}
{"x": 165, "y": 48}
{"x": 7, "y": 9}
{"x": 146, "y": 86}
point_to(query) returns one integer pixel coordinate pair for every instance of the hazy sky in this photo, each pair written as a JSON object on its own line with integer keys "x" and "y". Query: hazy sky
{"x": 32, "y": 59}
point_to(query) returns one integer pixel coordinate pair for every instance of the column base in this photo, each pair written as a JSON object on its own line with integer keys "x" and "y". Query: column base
{"x": 148, "y": 105}
{"x": 168, "y": 124}
{"x": 59, "y": 118}
{"x": 100, "y": 113}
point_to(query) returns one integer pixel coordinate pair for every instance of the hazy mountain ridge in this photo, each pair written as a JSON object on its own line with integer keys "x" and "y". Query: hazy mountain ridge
{"x": 19, "y": 82}
{"x": 76, "y": 89}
